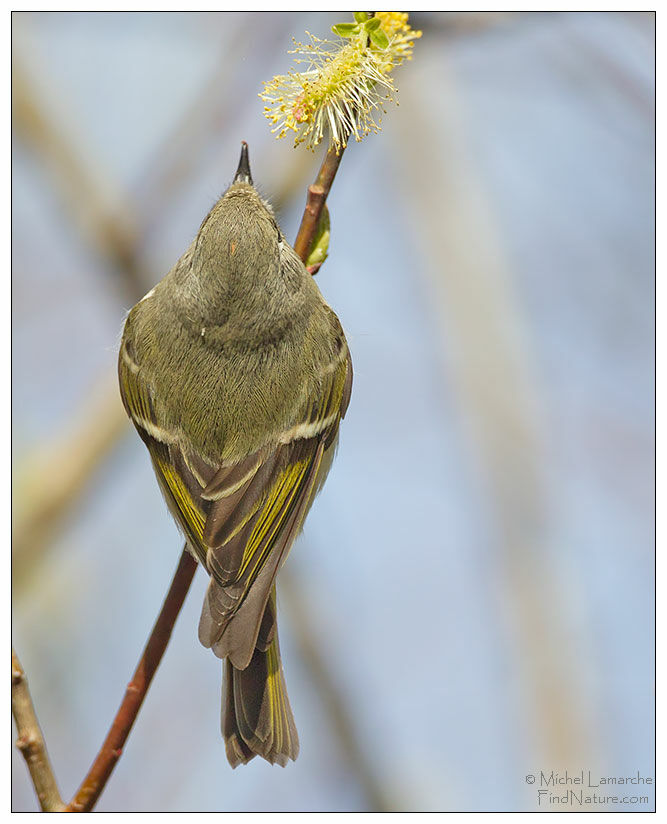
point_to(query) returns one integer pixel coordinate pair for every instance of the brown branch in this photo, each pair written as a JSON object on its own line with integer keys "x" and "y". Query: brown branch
{"x": 93, "y": 784}
{"x": 30, "y": 742}
{"x": 317, "y": 197}
{"x": 314, "y": 205}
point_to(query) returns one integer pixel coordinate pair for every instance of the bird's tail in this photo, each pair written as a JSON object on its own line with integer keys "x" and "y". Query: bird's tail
{"x": 256, "y": 714}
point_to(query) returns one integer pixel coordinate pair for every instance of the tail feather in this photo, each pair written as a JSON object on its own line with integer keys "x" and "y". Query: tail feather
{"x": 257, "y": 717}
{"x": 238, "y": 752}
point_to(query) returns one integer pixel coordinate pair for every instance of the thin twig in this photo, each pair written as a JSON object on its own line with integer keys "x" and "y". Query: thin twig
{"x": 30, "y": 742}
{"x": 314, "y": 208}
{"x": 93, "y": 784}
{"x": 317, "y": 197}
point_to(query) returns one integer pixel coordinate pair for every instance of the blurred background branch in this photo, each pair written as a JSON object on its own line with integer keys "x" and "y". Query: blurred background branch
{"x": 499, "y": 411}
{"x": 49, "y": 483}
{"x": 88, "y": 195}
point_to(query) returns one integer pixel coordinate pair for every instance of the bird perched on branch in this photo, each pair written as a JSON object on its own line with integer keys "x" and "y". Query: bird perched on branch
{"x": 236, "y": 374}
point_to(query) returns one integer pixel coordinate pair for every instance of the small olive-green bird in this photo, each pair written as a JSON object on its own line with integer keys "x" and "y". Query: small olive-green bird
{"x": 236, "y": 374}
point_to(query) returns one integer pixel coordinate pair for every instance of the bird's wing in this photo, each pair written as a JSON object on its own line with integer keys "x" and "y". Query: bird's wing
{"x": 240, "y": 518}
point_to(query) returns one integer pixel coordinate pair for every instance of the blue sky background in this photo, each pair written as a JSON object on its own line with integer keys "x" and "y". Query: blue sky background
{"x": 478, "y": 572}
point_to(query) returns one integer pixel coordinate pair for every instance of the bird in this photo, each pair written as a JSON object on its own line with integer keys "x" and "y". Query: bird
{"x": 236, "y": 374}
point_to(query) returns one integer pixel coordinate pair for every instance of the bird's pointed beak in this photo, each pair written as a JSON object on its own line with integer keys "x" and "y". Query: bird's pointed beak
{"x": 243, "y": 172}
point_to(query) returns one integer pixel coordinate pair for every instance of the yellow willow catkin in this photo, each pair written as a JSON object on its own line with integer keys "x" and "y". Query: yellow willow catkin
{"x": 343, "y": 87}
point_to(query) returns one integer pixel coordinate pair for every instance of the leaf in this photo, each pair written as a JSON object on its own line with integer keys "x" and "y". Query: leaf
{"x": 372, "y": 24}
{"x": 379, "y": 38}
{"x": 320, "y": 247}
{"x": 361, "y": 16}
{"x": 345, "y": 29}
